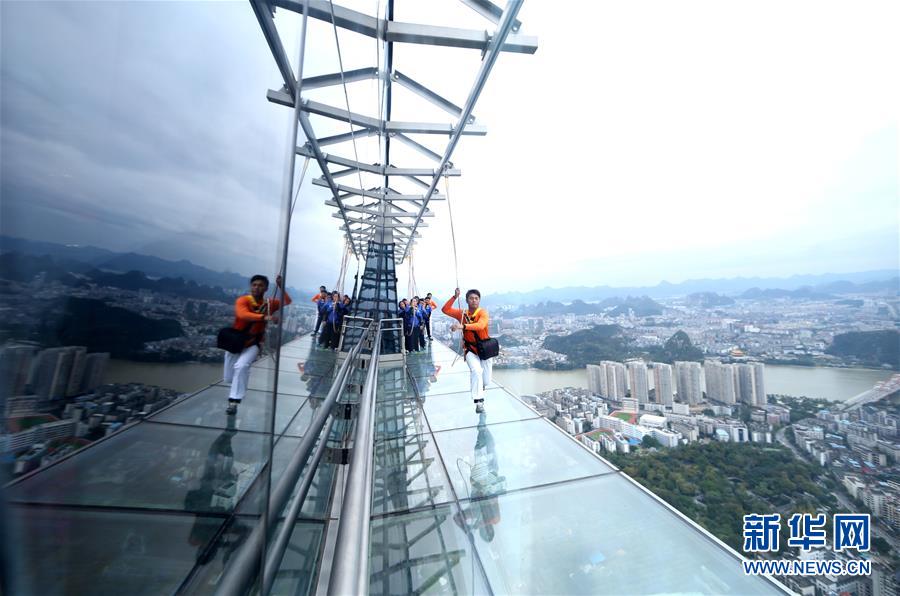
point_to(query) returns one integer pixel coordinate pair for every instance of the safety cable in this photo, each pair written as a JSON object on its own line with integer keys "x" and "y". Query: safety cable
{"x": 337, "y": 43}
{"x": 455, "y": 263}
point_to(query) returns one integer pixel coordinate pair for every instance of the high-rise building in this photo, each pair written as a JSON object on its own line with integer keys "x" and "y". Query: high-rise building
{"x": 94, "y": 370}
{"x": 688, "y": 382}
{"x": 640, "y": 386}
{"x": 759, "y": 370}
{"x": 50, "y": 373}
{"x": 662, "y": 377}
{"x": 15, "y": 364}
{"x": 597, "y": 380}
{"x": 719, "y": 381}
{"x": 615, "y": 379}
{"x": 750, "y": 384}
{"x": 76, "y": 376}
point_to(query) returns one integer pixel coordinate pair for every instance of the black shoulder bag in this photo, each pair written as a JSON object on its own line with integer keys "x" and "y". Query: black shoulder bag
{"x": 233, "y": 340}
{"x": 485, "y": 348}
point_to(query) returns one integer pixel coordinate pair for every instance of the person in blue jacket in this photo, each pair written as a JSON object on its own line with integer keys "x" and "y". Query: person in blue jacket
{"x": 331, "y": 334}
{"x": 406, "y": 312}
{"x": 424, "y": 316}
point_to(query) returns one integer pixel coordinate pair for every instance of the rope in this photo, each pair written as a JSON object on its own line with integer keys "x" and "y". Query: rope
{"x": 337, "y": 42}
{"x": 462, "y": 344}
{"x": 339, "y": 284}
{"x": 412, "y": 286}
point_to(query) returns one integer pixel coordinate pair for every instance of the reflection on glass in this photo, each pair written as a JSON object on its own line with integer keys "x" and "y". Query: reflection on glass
{"x": 408, "y": 475}
{"x": 482, "y": 512}
{"x": 454, "y": 410}
{"x": 422, "y": 552}
{"x": 532, "y": 451}
{"x": 218, "y": 481}
{"x": 92, "y": 551}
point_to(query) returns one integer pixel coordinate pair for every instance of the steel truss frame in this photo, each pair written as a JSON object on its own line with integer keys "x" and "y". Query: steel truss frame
{"x": 361, "y": 216}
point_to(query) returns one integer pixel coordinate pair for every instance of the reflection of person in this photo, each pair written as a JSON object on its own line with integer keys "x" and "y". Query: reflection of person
{"x": 251, "y": 313}
{"x": 218, "y": 488}
{"x": 474, "y": 324}
{"x": 483, "y": 511}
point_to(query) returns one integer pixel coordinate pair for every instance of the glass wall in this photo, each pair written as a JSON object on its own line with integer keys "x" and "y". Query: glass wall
{"x": 142, "y": 187}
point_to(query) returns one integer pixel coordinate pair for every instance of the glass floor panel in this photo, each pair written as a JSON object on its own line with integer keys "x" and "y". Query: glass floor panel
{"x": 450, "y": 383}
{"x": 317, "y": 499}
{"x": 408, "y": 475}
{"x": 294, "y": 383}
{"x": 423, "y": 552}
{"x": 457, "y": 410}
{"x": 599, "y": 536}
{"x": 493, "y": 458}
{"x": 93, "y": 551}
{"x": 154, "y": 466}
{"x": 297, "y": 569}
{"x": 399, "y": 418}
{"x": 207, "y": 408}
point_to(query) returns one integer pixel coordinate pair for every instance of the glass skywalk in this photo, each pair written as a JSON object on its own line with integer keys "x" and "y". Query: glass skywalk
{"x": 161, "y": 506}
{"x": 502, "y": 503}
{"x": 507, "y": 503}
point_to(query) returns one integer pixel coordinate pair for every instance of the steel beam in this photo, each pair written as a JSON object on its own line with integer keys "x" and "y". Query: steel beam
{"x": 487, "y": 63}
{"x": 490, "y": 11}
{"x": 368, "y": 211}
{"x": 423, "y": 91}
{"x": 321, "y": 109}
{"x": 360, "y": 74}
{"x": 347, "y": 136}
{"x": 392, "y": 31}
{"x": 373, "y": 194}
{"x": 375, "y": 168}
{"x": 372, "y": 222}
{"x": 417, "y": 146}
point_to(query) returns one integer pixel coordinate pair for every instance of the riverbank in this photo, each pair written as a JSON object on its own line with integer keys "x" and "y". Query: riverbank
{"x": 835, "y": 384}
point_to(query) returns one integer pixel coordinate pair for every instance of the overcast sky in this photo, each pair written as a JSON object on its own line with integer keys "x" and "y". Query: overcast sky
{"x": 644, "y": 141}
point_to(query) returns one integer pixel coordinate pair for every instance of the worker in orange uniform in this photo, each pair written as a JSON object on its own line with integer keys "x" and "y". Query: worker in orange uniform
{"x": 251, "y": 313}
{"x": 474, "y": 324}
{"x": 320, "y": 300}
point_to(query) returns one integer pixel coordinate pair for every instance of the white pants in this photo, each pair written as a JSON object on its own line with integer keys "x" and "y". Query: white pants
{"x": 480, "y": 374}
{"x": 238, "y": 365}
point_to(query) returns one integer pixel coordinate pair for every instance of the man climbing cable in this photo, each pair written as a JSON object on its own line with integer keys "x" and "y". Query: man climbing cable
{"x": 474, "y": 324}
{"x": 251, "y": 313}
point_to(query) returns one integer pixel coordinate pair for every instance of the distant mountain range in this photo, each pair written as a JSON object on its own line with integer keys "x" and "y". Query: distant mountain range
{"x": 802, "y": 286}
{"x": 107, "y": 260}
{"x": 642, "y": 306}
{"x": 796, "y": 286}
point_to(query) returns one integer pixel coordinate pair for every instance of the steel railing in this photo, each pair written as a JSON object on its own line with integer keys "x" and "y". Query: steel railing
{"x": 350, "y": 571}
{"x": 242, "y": 570}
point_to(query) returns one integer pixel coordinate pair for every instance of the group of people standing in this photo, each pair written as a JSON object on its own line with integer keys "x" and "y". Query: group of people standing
{"x": 332, "y": 307}
{"x": 416, "y": 315}
{"x": 252, "y": 312}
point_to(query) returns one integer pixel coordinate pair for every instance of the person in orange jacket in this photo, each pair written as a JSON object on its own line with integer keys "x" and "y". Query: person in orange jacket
{"x": 251, "y": 313}
{"x": 474, "y": 324}
{"x": 320, "y": 300}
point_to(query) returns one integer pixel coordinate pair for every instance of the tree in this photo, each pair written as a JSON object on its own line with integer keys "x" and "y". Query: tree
{"x": 650, "y": 441}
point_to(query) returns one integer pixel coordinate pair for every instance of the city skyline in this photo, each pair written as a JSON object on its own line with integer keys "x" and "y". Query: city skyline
{"x": 703, "y": 164}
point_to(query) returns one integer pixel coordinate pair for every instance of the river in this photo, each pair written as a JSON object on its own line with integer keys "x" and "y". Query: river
{"x": 828, "y": 383}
